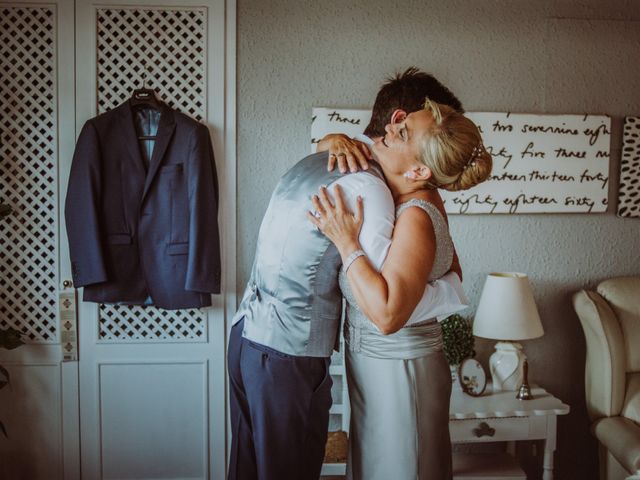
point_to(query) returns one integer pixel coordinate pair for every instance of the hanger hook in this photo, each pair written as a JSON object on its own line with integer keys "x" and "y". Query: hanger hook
{"x": 144, "y": 74}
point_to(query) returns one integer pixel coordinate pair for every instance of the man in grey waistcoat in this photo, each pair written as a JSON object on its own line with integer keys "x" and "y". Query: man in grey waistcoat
{"x": 288, "y": 321}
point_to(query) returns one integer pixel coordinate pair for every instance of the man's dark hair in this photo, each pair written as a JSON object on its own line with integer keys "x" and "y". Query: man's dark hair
{"x": 407, "y": 91}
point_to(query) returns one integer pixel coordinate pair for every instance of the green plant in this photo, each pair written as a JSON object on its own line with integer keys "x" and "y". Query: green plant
{"x": 457, "y": 336}
{"x": 10, "y": 338}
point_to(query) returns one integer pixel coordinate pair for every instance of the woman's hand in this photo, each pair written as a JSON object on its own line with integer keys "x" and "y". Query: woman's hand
{"x": 347, "y": 153}
{"x": 337, "y": 222}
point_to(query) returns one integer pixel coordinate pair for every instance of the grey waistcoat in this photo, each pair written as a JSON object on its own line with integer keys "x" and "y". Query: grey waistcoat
{"x": 293, "y": 302}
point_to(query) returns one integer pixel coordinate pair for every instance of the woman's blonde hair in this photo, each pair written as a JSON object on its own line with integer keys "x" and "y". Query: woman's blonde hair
{"x": 453, "y": 150}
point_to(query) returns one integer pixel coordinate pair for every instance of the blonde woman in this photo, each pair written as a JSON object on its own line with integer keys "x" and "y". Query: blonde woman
{"x": 398, "y": 377}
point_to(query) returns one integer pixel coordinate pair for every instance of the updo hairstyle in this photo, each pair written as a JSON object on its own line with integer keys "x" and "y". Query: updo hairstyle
{"x": 453, "y": 150}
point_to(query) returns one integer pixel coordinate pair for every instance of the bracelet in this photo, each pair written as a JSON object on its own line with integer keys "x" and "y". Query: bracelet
{"x": 352, "y": 258}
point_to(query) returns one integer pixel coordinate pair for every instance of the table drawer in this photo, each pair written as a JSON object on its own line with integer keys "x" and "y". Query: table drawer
{"x": 497, "y": 429}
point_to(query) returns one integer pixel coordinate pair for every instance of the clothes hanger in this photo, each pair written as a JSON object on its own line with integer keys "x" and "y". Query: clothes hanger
{"x": 145, "y": 97}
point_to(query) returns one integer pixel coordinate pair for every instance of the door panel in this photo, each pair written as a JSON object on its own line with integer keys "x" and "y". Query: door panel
{"x": 146, "y": 399}
{"x": 152, "y": 381}
{"x": 40, "y": 407}
{"x": 144, "y": 429}
{"x": 33, "y": 449}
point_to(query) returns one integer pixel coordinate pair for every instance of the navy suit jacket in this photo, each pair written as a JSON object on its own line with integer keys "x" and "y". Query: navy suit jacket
{"x": 138, "y": 231}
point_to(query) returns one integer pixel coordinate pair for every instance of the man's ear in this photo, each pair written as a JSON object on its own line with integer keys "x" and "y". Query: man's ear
{"x": 419, "y": 174}
{"x": 398, "y": 116}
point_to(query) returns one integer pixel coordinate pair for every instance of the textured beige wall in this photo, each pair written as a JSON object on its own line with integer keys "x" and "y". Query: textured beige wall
{"x": 510, "y": 55}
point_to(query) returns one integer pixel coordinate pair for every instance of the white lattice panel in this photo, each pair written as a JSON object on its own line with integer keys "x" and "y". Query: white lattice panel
{"x": 167, "y": 48}
{"x": 28, "y": 172}
{"x": 121, "y": 322}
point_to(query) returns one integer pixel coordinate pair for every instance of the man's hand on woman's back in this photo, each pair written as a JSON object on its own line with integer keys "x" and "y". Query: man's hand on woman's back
{"x": 349, "y": 154}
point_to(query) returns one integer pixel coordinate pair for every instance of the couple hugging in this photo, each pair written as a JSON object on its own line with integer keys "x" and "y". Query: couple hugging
{"x": 380, "y": 239}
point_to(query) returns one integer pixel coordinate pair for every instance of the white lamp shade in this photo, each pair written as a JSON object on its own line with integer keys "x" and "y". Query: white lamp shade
{"x": 507, "y": 310}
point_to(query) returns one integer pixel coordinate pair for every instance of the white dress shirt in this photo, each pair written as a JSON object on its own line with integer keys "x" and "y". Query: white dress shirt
{"x": 441, "y": 297}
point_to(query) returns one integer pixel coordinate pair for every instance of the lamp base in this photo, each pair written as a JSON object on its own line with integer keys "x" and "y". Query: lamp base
{"x": 506, "y": 365}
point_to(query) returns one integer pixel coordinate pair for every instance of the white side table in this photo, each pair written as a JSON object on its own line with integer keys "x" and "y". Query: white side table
{"x": 501, "y": 417}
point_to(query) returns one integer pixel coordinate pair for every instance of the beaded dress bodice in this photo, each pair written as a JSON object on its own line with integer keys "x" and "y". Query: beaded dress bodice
{"x": 441, "y": 262}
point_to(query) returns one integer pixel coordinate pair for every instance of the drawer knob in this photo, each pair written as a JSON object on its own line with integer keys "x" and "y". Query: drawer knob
{"x": 484, "y": 430}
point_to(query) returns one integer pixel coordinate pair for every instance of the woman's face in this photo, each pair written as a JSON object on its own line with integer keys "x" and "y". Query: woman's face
{"x": 399, "y": 149}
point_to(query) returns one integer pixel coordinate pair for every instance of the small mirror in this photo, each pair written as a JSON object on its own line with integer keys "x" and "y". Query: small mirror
{"x": 472, "y": 377}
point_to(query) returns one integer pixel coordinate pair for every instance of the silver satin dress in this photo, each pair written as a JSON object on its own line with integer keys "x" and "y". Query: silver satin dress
{"x": 399, "y": 386}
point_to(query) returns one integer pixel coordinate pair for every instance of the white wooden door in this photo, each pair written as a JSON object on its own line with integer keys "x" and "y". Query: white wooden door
{"x": 146, "y": 397}
{"x": 152, "y": 381}
{"x": 40, "y": 407}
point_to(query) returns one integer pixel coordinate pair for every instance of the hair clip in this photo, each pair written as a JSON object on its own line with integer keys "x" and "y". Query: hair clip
{"x": 475, "y": 153}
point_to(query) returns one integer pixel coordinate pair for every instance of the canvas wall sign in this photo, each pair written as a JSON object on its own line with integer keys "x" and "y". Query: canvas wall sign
{"x": 629, "y": 191}
{"x": 541, "y": 163}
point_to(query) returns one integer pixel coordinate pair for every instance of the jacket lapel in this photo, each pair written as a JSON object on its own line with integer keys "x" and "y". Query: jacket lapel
{"x": 163, "y": 136}
{"x": 130, "y": 137}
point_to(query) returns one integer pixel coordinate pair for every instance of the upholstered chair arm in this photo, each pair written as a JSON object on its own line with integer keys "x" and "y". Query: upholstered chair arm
{"x": 621, "y": 437}
{"x": 605, "y": 366}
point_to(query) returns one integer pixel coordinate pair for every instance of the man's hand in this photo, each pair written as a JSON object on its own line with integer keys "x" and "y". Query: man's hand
{"x": 349, "y": 154}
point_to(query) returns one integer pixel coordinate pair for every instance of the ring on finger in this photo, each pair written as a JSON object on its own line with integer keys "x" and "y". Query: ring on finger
{"x": 342, "y": 155}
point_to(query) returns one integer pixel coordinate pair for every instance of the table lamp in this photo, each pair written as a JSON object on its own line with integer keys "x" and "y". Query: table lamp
{"x": 507, "y": 312}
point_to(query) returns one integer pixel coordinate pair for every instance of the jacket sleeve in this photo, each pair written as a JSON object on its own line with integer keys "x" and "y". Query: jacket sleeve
{"x": 203, "y": 267}
{"x": 81, "y": 210}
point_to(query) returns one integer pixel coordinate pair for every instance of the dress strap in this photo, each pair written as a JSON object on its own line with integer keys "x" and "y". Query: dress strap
{"x": 444, "y": 244}
{"x": 428, "y": 207}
